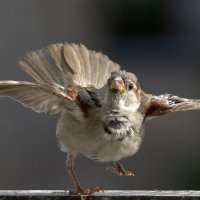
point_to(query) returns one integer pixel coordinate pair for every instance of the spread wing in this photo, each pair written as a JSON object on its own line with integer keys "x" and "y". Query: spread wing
{"x": 69, "y": 64}
{"x": 167, "y": 103}
{"x": 61, "y": 71}
{"x": 41, "y": 98}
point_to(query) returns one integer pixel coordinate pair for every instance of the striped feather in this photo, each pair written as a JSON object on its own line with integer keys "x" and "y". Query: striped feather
{"x": 68, "y": 65}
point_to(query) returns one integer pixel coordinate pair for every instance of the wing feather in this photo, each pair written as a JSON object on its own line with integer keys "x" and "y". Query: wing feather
{"x": 41, "y": 98}
{"x": 68, "y": 64}
{"x": 167, "y": 103}
{"x": 60, "y": 70}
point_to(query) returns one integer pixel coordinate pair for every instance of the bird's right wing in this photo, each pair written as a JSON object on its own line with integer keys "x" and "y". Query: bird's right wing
{"x": 61, "y": 71}
{"x": 39, "y": 97}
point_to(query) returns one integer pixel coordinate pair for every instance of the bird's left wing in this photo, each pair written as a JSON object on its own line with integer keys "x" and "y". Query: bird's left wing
{"x": 167, "y": 103}
{"x": 39, "y": 97}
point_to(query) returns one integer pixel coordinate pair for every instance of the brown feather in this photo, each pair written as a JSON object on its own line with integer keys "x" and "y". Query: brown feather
{"x": 60, "y": 71}
{"x": 68, "y": 65}
{"x": 163, "y": 104}
{"x": 41, "y": 98}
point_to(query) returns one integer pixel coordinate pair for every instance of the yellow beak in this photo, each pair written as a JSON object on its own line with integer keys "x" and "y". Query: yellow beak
{"x": 117, "y": 85}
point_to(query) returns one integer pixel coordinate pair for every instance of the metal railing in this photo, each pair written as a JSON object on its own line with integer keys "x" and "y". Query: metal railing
{"x": 107, "y": 195}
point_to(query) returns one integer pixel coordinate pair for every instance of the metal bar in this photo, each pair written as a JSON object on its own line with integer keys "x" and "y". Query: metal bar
{"x": 107, "y": 195}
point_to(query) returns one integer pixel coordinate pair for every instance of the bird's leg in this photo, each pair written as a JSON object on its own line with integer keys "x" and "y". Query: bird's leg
{"x": 78, "y": 189}
{"x": 119, "y": 169}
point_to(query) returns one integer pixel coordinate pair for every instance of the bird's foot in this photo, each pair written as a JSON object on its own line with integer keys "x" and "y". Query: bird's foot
{"x": 118, "y": 169}
{"x": 86, "y": 192}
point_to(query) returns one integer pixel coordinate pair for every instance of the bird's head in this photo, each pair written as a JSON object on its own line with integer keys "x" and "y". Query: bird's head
{"x": 122, "y": 91}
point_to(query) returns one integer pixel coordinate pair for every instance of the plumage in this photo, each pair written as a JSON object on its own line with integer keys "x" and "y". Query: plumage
{"x": 41, "y": 98}
{"x": 68, "y": 65}
{"x": 103, "y": 109}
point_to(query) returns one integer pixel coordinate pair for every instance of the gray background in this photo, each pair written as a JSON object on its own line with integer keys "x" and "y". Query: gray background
{"x": 157, "y": 40}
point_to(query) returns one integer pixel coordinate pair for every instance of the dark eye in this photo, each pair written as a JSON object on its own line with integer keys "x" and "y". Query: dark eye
{"x": 130, "y": 86}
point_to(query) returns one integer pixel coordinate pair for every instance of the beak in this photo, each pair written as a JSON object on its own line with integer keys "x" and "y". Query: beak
{"x": 117, "y": 84}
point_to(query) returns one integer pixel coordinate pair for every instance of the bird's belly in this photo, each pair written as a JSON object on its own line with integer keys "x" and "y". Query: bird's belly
{"x": 96, "y": 144}
{"x": 116, "y": 150}
{"x": 101, "y": 149}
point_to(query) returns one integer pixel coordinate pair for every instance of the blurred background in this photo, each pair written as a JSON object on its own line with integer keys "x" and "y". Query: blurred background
{"x": 157, "y": 40}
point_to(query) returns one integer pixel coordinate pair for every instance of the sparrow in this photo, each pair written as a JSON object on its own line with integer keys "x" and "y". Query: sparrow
{"x": 103, "y": 108}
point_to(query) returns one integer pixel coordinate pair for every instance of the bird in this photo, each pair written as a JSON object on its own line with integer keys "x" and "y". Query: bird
{"x": 102, "y": 107}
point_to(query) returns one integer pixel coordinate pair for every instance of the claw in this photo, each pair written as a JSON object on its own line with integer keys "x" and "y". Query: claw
{"x": 119, "y": 170}
{"x": 85, "y": 192}
{"x": 96, "y": 189}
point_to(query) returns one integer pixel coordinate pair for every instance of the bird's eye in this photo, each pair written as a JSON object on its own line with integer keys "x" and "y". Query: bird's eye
{"x": 130, "y": 86}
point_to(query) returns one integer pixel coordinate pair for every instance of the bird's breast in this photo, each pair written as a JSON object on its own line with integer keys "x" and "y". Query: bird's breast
{"x": 117, "y": 126}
